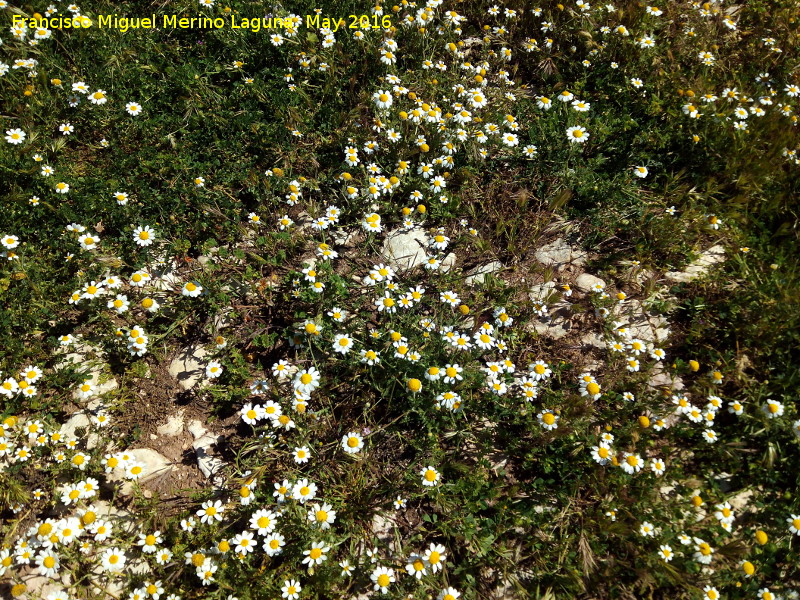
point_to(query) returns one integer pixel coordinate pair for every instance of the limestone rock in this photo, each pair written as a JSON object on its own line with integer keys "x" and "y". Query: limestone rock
{"x": 660, "y": 378}
{"x": 77, "y": 421}
{"x": 699, "y": 267}
{"x": 541, "y": 291}
{"x": 643, "y": 324}
{"x": 477, "y": 275}
{"x": 189, "y": 366}
{"x": 405, "y": 249}
{"x": 593, "y": 340}
{"x": 559, "y": 253}
{"x": 155, "y": 465}
{"x": 586, "y": 282}
{"x": 209, "y": 465}
{"x": 91, "y": 358}
{"x": 448, "y": 262}
{"x": 166, "y": 278}
{"x": 173, "y": 426}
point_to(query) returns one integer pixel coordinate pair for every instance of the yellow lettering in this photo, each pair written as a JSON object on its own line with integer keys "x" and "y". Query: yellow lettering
{"x": 312, "y": 21}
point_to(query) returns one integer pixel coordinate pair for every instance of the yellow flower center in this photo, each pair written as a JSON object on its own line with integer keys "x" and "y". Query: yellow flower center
{"x": 143, "y": 235}
{"x": 549, "y": 418}
{"x": 315, "y": 553}
{"x": 352, "y": 442}
{"x": 150, "y": 540}
{"x": 593, "y": 389}
{"x": 383, "y": 580}
{"x": 191, "y": 287}
{"x": 305, "y": 378}
{"x": 430, "y": 475}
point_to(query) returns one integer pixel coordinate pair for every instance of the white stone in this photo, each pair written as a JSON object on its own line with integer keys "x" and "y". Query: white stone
{"x": 405, "y": 249}
{"x": 645, "y": 325}
{"x": 559, "y": 253}
{"x": 210, "y": 466}
{"x": 97, "y": 367}
{"x": 541, "y": 291}
{"x": 586, "y": 282}
{"x": 448, "y": 262}
{"x": 593, "y": 340}
{"x": 39, "y": 586}
{"x": 173, "y": 426}
{"x": 477, "y": 275}
{"x": 741, "y": 500}
{"x": 660, "y": 378}
{"x": 80, "y": 420}
{"x": 155, "y": 465}
{"x": 189, "y": 366}
{"x": 554, "y": 327}
{"x": 699, "y": 267}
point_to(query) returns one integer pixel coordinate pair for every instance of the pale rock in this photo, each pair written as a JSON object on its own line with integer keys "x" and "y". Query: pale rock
{"x": 555, "y": 329}
{"x": 448, "y": 262}
{"x": 660, "y": 378}
{"x": 740, "y": 502}
{"x": 77, "y": 421}
{"x": 173, "y": 426}
{"x": 210, "y": 466}
{"x": 345, "y": 238}
{"x": 121, "y": 520}
{"x": 541, "y": 291}
{"x": 404, "y": 249}
{"x": 97, "y": 368}
{"x": 39, "y": 586}
{"x": 593, "y": 340}
{"x": 698, "y": 267}
{"x": 166, "y": 279}
{"x": 557, "y": 324}
{"x": 586, "y": 282}
{"x": 643, "y": 324}
{"x": 189, "y": 366}
{"x": 155, "y": 465}
{"x": 383, "y": 529}
{"x": 559, "y": 253}
{"x": 478, "y": 275}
